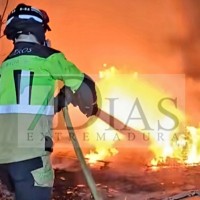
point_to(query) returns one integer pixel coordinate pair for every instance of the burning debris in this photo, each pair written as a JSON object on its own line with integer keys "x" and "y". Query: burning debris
{"x": 184, "y": 150}
{"x": 101, "y": 164}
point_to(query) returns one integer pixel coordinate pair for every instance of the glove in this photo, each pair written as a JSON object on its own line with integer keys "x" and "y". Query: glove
{"x": 63, "y": 98}
{"x": 86, "y": 108}
{"x": 85, "y": 97}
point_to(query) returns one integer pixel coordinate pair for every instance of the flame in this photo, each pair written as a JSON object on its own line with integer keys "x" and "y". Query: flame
{"x": 194, "y": 151}
{"x": 180, "y": 145}
{"x": 184, "y": 148}
{"x": 125, "y": 89}
{"x": 102, "y": 139}
{"x": 103, "y": 142}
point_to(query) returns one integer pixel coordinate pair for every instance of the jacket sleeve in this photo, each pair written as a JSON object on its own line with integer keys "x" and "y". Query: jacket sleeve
{"x": 62, "y": 69}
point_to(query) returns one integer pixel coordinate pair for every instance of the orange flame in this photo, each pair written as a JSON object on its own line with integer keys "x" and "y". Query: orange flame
{"x": 125, "y": 89}
{"x": 179, "y": 145}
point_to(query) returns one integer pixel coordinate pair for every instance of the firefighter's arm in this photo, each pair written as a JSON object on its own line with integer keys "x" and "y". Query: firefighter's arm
{"x": 79, "y": 88}
{"x": 62, "y": 69}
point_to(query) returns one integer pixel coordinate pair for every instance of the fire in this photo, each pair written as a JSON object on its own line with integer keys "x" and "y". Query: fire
{"x": 102, "y": 141}
{"x": 133, "y": 97}
{"x": 194, "y": 150}
{"x": 100, "y": 136}
{"x": 149, "y": 106}
{"x": 184, "y": 148}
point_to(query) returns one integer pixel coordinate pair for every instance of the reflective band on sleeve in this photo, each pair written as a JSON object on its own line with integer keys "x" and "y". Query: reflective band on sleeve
{"x": 27, "y": 109}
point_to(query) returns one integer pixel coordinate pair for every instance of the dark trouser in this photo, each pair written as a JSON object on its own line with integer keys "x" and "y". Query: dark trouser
{"x": 19, "y": 179}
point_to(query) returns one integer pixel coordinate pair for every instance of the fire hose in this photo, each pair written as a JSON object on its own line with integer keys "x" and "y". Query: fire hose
{"x": 115, "y": 123}
{"x": 79, "y": 154}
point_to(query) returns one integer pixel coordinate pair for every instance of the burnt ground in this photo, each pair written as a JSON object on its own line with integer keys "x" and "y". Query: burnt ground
{"x": 126, "y": 177}
{"x": 149, "y": 186}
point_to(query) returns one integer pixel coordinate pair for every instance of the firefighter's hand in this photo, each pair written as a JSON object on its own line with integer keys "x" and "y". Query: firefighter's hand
{"x": 87, "y": 108}
{"x": 64, "y": 97}
{"x": 91, "y": 110}
{"x": 85, "y": 97}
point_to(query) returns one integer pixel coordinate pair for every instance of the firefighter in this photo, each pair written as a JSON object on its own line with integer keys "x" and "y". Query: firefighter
{"x": 27, "y": 103}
